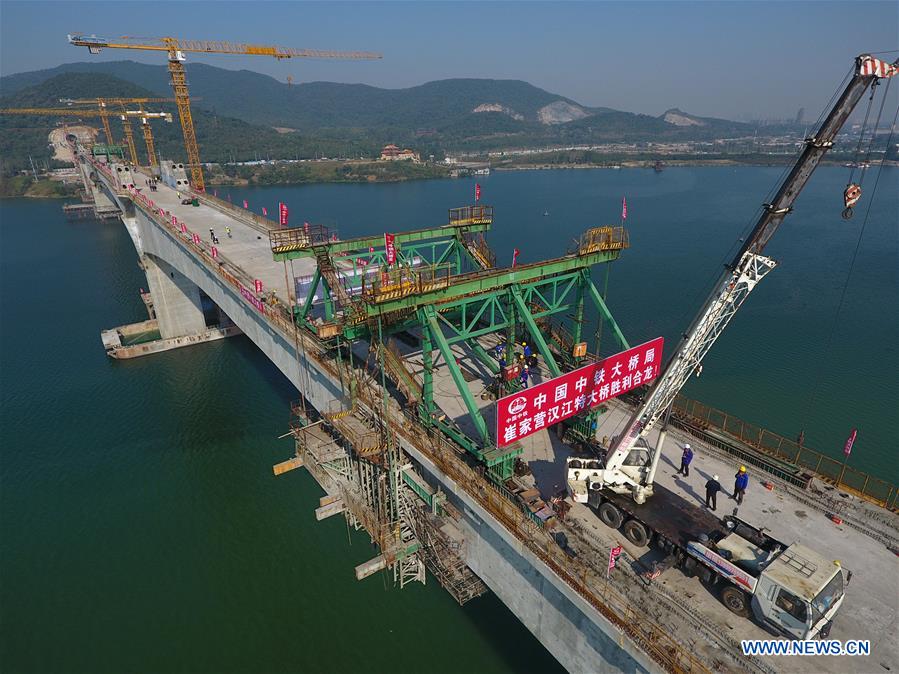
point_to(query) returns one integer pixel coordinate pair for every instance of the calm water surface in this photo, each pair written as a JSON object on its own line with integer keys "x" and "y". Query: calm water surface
{"x": 142, "y": 529}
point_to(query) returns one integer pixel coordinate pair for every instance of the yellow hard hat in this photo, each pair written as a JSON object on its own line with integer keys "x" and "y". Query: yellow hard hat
{"x": 742, "y": 469}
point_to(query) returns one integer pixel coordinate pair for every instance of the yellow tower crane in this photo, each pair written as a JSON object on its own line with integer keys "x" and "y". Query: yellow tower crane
{"x": 176, "y": 48}
{"x": 104, "y": 103}
{"x": 104, "y": 115}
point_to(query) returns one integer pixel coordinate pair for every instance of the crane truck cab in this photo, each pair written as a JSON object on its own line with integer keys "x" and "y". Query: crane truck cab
{"x": 791, "y": 589}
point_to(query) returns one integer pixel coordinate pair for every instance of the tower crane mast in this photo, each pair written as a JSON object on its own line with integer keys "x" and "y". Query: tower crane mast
{"x": 626, "y": 471}
{"x": 176, "y": 48}
{"x": 104, "y": 114}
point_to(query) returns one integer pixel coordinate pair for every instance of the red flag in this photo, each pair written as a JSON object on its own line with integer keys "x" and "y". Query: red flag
{"x": 390, "y": 247}
{"x": 245, "y": 204}
{"x": 614, "y": 554}
{"x": 215, "y": 252}
{"x": 264, "y": 211}
{"x": 515, "y": 254}
{"x": 847, "y": 449}
{"x": 282, "y": 214}
{"x": 477, "y": 192}
{"x": 623, "y": 209}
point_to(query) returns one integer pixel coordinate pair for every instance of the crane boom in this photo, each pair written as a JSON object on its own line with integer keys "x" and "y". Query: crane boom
{"x": 631, "y": 475}
{"x": 167, "y": 44}
{"x": 105, "y": 114}
{"x": 76, "y": 112}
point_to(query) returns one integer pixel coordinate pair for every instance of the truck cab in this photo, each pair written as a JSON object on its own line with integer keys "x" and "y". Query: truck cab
{"x": 791, "y": 589}
{"x": 798, "y": 593}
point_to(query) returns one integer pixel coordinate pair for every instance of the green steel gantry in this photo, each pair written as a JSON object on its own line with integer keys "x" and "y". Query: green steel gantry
{"x": 443, "y": 286}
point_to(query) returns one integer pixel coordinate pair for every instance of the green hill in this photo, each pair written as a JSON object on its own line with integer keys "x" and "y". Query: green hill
{"x": 236, "y": 114}
{"x": 457, "y": 107}
{"x": 220, "y": 137}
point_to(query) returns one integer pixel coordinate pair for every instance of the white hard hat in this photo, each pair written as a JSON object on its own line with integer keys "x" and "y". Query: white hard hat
{"x": 687, "y": 445}
{"x": 714, "y": 477}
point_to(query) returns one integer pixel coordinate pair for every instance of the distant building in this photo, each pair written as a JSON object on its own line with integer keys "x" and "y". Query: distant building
{"x": 393, "y": 153}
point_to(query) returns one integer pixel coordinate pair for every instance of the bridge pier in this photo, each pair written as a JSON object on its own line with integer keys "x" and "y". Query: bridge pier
{"x": 176, "y": 299}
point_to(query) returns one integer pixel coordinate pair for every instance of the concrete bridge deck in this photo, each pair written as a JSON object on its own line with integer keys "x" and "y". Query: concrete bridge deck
{"x": 525, "y": 568}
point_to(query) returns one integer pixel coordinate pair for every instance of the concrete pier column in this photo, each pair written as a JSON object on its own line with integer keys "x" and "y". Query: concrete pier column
{"x": 176, "y": 299}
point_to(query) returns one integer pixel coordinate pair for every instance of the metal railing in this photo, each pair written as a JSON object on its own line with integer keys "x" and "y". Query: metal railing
{"x": 602, "y": 238}
{"x": 401, "y": 281}
{"x": 782, "y": 449}
{"x": 471, "y": 215}
{"x": 299, "y": 238}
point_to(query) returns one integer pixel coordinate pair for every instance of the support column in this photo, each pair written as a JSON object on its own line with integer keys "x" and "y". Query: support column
{"x": 605, "y": 313}
{"x": 176, "y": 299}
{"x": 578, "y": 314}
{"x": 462, "y": 386}
{"x": 426, "y": 406}
{"x": 532, "y": 327}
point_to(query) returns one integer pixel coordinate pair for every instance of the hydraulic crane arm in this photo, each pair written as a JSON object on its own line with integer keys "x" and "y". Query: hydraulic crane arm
{"x": 740, "y": 277}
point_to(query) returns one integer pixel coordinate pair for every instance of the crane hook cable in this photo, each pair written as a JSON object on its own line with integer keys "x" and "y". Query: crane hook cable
{"x": 833, "y": 328}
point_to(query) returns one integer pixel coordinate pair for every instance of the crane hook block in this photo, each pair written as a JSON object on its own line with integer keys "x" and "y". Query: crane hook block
{"x": 850, "y": 198}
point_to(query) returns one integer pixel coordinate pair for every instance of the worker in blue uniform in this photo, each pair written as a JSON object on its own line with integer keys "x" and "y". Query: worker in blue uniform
{"x": 741, "y": 481}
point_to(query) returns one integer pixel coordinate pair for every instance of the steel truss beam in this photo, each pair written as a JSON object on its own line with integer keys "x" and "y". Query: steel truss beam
{"x": 361, "y": 245}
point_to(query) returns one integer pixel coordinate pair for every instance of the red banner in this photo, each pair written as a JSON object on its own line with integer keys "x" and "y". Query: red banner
{"x": 252, "y": 299}
{"x": 196, "y": 238}
{"x": 847, "y": 449}
{"x": 184, "y": 228}
{"x": 282, "y": 214}
{"x": 521, "y": 414}
{"x": 390, "y": 247}
{"x": 477, "y": 192}
{"x": 258, "y": 284}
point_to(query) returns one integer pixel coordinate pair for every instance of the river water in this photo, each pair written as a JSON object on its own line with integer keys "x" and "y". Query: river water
{"x": 142, "y": 529}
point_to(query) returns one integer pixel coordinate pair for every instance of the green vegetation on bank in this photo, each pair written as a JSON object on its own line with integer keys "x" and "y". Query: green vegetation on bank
{"x": 326, "y": 172}
{"x": 27, "y": 186}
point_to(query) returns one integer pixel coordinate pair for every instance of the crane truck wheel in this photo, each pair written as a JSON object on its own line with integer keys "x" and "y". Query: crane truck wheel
{"x": 735, "y": 600}
{"x": 636, "y": 533}
{"x": 610, "y": 515}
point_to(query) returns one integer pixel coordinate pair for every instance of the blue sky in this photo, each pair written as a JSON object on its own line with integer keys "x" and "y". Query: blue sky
{"x": 729, "y": 59}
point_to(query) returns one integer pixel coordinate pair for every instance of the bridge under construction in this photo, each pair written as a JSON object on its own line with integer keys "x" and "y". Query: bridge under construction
{"x": 397, "y": 366}
{"x": 400, "y": 344}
